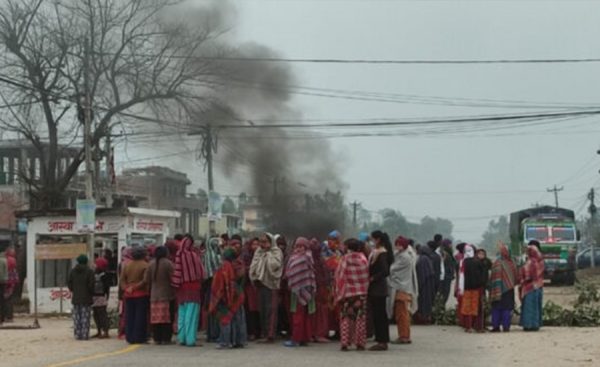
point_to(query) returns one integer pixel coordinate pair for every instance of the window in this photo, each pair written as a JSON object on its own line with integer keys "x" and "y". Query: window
{"x": 566, "y": 233}
{"x": 53, "y": 273}
{"x": 539, "y": 233}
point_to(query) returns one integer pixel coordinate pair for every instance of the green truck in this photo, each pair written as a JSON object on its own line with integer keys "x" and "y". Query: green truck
{"x": 556, "y": 230}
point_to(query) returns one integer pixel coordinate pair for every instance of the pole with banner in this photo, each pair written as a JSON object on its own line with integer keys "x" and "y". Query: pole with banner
{"x": 86, "y": 222}
{"x": 215, "y": 204}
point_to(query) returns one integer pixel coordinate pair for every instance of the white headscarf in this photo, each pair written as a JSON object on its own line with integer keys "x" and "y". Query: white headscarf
{"x": 469, "y": 253}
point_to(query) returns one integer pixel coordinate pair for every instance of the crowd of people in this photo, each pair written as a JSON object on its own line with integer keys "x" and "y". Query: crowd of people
{"x": 305, "y": 291}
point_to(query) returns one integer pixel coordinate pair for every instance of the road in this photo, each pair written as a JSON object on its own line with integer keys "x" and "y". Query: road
{"x": 432, "y": 346}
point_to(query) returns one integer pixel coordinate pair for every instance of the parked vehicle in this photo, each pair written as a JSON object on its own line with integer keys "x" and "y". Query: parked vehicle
{"x": 584, "y": 258}
{"x": 556, "y": 231}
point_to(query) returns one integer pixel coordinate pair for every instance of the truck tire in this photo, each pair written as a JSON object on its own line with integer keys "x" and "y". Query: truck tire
{"x": 570, "y": 278}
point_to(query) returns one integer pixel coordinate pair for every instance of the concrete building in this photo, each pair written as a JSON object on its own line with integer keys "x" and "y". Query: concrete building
{"x": 229, "y": 223}
{"x": 19, "y": 159}
{"x": 166, "y": 189}
{"x": 253, "y": 215}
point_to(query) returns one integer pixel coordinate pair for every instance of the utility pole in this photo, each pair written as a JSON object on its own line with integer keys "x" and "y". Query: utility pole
{"x": 208, "y": 154}
{"x": 110, "y": 170}
{"x": 355, "y": 205}
{"x": 87, "y": 136}
{"x": 209, "y": 146}
{"x": 556, "y": 190}
{"x": 592, "y": 226}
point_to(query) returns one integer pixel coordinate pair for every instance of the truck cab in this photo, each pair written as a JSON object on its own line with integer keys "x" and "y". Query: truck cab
{"x": 556, "y": 231}
{"x": 558, "y": 243}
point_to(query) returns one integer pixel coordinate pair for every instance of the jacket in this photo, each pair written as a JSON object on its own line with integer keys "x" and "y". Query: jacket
{"x": 133, "y": 278}
{"x": 158, "y": 279}
{"x": 81, "y": 284}
{"x": 378, "y": 272}
{"x": 475, "y": 274}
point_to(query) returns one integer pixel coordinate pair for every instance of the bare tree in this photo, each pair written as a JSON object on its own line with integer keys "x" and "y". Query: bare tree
{"x": 140, "y": 60}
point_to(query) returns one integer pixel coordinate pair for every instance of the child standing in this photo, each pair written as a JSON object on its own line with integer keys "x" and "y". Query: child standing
{"x": 102, "y": 282}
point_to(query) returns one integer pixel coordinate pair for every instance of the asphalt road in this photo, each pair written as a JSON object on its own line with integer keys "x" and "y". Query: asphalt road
{"x": 432, "y": 346}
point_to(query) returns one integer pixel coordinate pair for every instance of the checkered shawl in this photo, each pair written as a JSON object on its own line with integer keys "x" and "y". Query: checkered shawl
{"x": 188, "y": 267}
{"x": 352, "y": 276}
{"x": 300, "y": 273}
{"x": 532, "y": 273}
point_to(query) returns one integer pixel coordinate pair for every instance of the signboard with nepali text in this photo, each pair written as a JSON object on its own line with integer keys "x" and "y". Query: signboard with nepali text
{"x": 86, "y": 216}
{"x": 59, "y": 251}
{"x": 149, "y": 225}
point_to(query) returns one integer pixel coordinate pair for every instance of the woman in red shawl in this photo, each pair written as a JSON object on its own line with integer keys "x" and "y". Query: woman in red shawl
{"x": 300, "y": 275}
{"x": 227, "y": 302}
{"x": 351, "y": 286}
{"x": 187, "y": 278}
{"x": 323, "y": 277}
{"x": 11, "y": 284}
{"x": 532, "y": 289}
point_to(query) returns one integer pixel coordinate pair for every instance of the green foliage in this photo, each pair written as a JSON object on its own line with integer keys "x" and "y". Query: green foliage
{"x": 228, "y": 206}
{"x": 497, "y": 231}
{"x": 442, "y": 315}
{"x": 588, "y": 293}
{"x": 586, "y": 311}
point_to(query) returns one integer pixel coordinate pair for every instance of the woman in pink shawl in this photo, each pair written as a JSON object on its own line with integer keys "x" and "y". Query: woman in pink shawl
{"x": 186, "y": 280}
{"x": 532, "y": 289}
{"x": 322, "y": 298}
{"x": 300, "y": 275}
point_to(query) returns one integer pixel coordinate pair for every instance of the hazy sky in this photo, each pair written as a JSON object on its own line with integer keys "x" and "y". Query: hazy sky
{"x": 468, "y": 178}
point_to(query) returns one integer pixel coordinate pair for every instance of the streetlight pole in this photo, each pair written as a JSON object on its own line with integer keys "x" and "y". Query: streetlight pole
{"x": 87, "y": 139}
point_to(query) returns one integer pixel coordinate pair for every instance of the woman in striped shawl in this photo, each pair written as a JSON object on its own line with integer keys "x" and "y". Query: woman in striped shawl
{"x": 187, "y": 280}
{"x": 532, "y": 289}
{"x": 503, "y": 280}
{"x": 300, "y": 275}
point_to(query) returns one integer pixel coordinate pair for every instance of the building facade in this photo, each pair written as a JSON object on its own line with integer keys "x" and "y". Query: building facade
{"x": 166, "y": 189}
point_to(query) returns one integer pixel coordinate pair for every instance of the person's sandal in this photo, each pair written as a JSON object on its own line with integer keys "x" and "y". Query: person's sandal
{"x": 378, "y": 348}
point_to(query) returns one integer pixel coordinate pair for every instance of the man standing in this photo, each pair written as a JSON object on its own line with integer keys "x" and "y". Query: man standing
{"x": 81, "y": 285}
{"x": 265, "y": 271}
{"x": 437, "y": 261}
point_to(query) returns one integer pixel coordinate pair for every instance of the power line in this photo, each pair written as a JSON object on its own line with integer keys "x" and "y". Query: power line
{"x": 365, "y": 61}
{"x": 488, "y": 118}
{"x": 399, "y": 98}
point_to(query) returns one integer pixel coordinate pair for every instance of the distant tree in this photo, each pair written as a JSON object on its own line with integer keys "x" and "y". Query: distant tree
{"x": 202, "y": 194}
{"x": 394, "y": 223}
{"x": 136, "y": 60}
{"x": 429, "y": 227}
{"x": 497, "y": 231}
{"x": 228, "y": 206}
